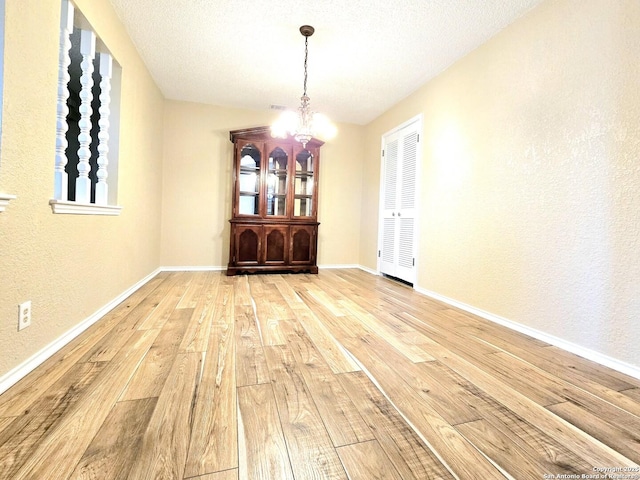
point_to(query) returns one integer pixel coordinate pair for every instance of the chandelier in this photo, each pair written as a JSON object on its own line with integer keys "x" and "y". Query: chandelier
{"x": 304, "y": 124}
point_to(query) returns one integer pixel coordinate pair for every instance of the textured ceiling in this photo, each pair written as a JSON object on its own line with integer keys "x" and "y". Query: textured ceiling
{"x": 364, "y": 57}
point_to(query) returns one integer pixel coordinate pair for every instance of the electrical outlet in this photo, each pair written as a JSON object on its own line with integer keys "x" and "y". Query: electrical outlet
{"x": 24, "y": 315}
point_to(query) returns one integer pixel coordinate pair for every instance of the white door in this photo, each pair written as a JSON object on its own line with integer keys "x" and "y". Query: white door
{"x": 397, "y": 236}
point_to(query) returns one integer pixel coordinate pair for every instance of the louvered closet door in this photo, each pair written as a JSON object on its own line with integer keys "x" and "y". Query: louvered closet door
{"x": 398, "y": 222}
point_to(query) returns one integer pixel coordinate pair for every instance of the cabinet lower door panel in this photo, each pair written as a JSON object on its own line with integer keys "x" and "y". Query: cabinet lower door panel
{"x": 275, "y": 245}
{"x": 303, "y": 245}
{"x": 248, "y": 245}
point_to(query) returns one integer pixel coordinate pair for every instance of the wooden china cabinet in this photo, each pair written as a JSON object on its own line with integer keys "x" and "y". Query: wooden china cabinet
{"x": 274, "y": 223}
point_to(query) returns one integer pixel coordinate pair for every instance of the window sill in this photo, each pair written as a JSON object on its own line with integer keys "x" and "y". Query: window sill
{"x": 4, "y": 200}
{"x": 75, "y": 208}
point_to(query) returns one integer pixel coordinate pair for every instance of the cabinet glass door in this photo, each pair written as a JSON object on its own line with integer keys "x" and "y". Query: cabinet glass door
{"x": 249, "y": 181}
{"x": 303, "y": 189}
{"x": 277, "y": 182}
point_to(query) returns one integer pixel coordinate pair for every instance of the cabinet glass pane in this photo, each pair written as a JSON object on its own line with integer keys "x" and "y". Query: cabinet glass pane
{"x": 278, "y": 160}
{"x": 250, "y": 158}
{"x": 304, "y": 162}
{"x": 276, "y": 205}
{"x": 249, "y": 181}
{"x": 277, "y": 182}
{"x": 248, "y": 205}
{"x": 304, "y": 184}
{"x": 302, "y": 207}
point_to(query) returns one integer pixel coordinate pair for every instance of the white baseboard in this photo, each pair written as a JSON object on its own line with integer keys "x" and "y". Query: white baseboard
{"x": 615, "y": 364}
{"x": 368, "y": 270}
{"x": 353, "y": 265}
{"x": 331, "y": 266}
{"x": 14, "y": 375}
{"x": 202, "y": 268}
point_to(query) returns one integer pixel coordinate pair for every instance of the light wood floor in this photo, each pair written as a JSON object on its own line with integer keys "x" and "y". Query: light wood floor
{"x": 337, "y": 375}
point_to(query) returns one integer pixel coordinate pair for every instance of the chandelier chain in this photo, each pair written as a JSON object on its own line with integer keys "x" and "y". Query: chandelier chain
{"x": 306, "y": 53}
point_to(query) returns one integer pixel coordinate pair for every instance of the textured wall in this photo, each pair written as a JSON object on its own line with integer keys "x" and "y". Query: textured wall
{"x": 69, "y": 265}
{"x": 197, "y": 186}
{"x": 531, "y": 175}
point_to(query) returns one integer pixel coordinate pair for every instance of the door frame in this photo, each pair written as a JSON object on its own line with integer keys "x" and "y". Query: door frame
{"x": 418, "y": 119}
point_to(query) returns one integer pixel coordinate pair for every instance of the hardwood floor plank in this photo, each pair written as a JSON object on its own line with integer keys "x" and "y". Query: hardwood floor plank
{"x": 450, "y": 395}
{"x": 112, "y": 452}
{"x": 536, "y": 380}
{"x": 278, "y": 307}
{"x": 340, "y": 416}
{"x": 446, "y": 393}
{"x": 393, "y": 295}
{"x": 502, "y": 451}
{"x": 624, "y": 440}
{"x": 329, "y": 348}
{"x": 161, "y": 313}
{"x": 471, "y": 323}
{"x": 452, "y": 448}
{"x": 226, "y": 475}
{"x": 426, "y": 343}
{"x": 525, "y": 378}
{"x": 367, "y": 461}
{"x": 583, "y": 445}
{"x": 288, "y": 293}
{"x": 438, "y": 329}
{"x": 268, "y": 318}
{"x": 149, "y": 378}
{"x": 529, "y": 439}
{"x": 338, "y": 326}
{"x": 633, "y": 393}
{"x": 4, "y": 422}
{"x": 251, "y": 364}
{"x": 241, "y": 290}
{"x": 21, "y": 439}
{"x": 65, "y": 444}
{"x": 569, "y": 367}
{"x": 390, "y": 334}
{"x": 262, "y": 450}
{"x": 199, "y": 284}
{"x": 163, "y": 451}
{"x": 270, "y": 331}
{"x": 537, "y": 384}
{"x": 589, "y": 369}
{"x": 406, "y": 451}
{"x": 197, "y": 333}
{"x": 325, "y": 299}
{"x": 311, "y": 452}
{"x": 105, "y": 349}
{"x": 224, "y": 306}
{"x": 214, "y": 431}
{"x": 619, "y": 399}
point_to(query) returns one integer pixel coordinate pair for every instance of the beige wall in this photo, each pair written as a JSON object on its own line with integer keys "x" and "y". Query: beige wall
{"x": 531, "y": 175}
{"x": 69, "y": 265}
{"x": 197, "y": 186}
